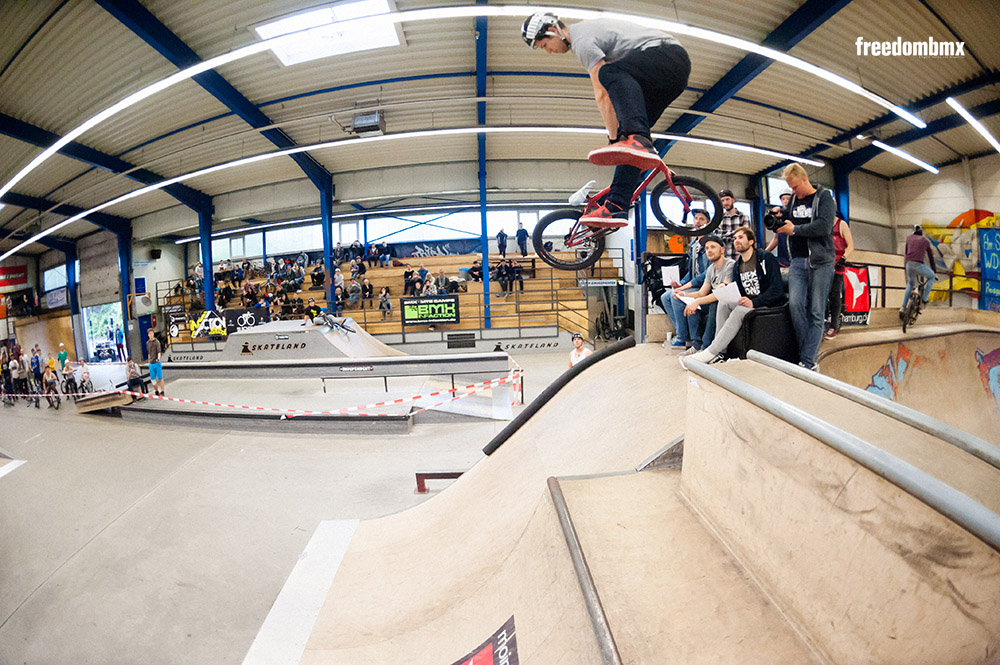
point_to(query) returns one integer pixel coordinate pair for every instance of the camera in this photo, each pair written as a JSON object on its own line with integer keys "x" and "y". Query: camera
{"x": 773, "y": 220}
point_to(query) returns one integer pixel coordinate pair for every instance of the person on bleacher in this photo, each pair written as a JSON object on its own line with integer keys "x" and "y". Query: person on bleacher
{"x": 385, "y": 302}
{"x": 367, "y": 293}
{"x": 385, "y": 253}
{"x": 318, "y": 274}
{"x": 476, "y": 271}
{"x": 409, "y": 281}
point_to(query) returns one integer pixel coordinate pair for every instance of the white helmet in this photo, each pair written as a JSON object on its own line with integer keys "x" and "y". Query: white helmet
{"x": 537, "y": 27}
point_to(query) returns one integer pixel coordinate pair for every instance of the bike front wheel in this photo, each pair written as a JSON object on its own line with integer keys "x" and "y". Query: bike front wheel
{"x": 584, "y": 245}
{"x": 674, "y": 207}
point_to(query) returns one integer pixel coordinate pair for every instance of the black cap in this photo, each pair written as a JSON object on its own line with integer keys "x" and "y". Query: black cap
{"x": 312, "y": 300}
{"x": 713, "y": 238}
{"x": 726, "y": 192}
{"x": 575, "y": 335}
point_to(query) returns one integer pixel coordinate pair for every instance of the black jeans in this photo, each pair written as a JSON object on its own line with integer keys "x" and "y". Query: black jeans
{"x": 641, "y": 86}
{"x": 835, "y": 305}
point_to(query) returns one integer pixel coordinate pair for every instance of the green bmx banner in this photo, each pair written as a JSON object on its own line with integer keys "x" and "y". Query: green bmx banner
{"x": 429, "y": 310}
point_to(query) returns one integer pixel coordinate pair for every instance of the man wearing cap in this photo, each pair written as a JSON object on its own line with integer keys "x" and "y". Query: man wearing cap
{"x": 779, "y": 241}
{"x": 63, "y": 355}
{"x": 311, "y": 311}
{"x": 579, "y": 351}
{"x": 718, "y": 273}
{"x": 732, "y": 219}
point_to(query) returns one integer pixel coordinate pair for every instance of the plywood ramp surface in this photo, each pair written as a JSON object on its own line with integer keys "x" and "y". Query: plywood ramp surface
{"x": 951, "y": 372}
{"x": 430, "y": 584}
{"x": 672, "y": 592}
{"x": 955, "y": 467}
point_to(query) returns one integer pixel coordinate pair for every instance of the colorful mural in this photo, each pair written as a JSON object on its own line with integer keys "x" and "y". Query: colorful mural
{"x": 887, "y": 380}
{"x": 989, "y": 371}
{"x": 956, "y": 248}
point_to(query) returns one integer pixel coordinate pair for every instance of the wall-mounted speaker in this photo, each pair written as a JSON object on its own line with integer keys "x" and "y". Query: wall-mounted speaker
{"x": 155, "y": 253}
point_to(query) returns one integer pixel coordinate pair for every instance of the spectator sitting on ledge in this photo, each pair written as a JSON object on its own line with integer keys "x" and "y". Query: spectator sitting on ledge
{"x": 476, "y": 271}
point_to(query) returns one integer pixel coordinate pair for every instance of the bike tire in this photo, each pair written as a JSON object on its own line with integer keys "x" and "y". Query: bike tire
{"x": 692, "y": 187}
{"x": 594, "y": 251}
{"x": 909, "y": 314}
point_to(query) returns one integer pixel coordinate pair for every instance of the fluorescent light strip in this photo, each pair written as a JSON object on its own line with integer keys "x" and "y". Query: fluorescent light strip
{"x": 376, "y": 139}
{"x": 905, "y": 155}
{"x": 978, "y": 126}
{"x": 450, "y": 13}
{"x": 738, "y": 146}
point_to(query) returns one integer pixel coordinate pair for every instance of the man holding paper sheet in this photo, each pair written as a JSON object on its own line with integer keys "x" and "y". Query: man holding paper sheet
{"x": 756, "y": 283}
{"x": 702, "y": 302}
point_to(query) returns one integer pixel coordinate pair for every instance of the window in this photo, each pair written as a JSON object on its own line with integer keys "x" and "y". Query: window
{"x": 55, "y": 278}
{"x": 236, "y": 247}
{"x": 327, "y": 38}
{"x": 253, "y": 245}
{"x": 220, "y": 250}
{"x": 290, "y": 241}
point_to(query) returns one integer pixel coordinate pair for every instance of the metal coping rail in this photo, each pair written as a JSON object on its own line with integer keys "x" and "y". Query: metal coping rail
{"x": 598, "y": 618}
{"x": 961, "y": 509}
{"x": 970, "y": 443}
{"x": 552, "y": 389}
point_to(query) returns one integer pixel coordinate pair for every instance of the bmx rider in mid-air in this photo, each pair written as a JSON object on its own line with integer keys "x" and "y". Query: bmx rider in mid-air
{"x": 636, "y": 73}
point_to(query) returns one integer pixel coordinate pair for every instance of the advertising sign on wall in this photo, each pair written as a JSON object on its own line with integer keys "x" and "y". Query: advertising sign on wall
{"x": 989, "y": 267}
{"x": 13, "y": 277}
{"x": 429, "y": 310}
{"x": 857, "y": 296}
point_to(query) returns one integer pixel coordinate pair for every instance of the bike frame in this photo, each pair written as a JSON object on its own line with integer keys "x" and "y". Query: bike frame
{"x": 581, "y": 232}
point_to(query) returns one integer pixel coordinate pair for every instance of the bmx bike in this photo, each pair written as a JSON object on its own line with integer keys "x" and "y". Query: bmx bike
{"x": 915, "y": 304}
{"x": 673, "y": 202}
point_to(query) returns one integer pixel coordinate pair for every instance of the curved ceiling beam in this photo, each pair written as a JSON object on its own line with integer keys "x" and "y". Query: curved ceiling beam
{"x": 147, "y": 27}
{"x": 802, "y": 22}
{"x": 22, "y": 131}
{"x": 448, "y": 13}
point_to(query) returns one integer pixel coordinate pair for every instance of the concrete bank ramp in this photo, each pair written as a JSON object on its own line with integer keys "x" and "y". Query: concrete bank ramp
{"x": 290, "y": 341}
{"x": 949, "y": 371}
{"x": 433, "y": 583}
{"x": 771, "y": 545}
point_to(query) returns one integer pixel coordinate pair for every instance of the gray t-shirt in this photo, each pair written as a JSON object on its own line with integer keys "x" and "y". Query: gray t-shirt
{"x": 610, "y": 39}
{"x": 717, "y": 277}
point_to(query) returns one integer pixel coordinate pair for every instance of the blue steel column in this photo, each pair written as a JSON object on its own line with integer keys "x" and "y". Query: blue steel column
{"x": 759, "y": 206}
{"x": 326, "y": 213}
{"x": 842, "y": 189}
{"x": 125, "y": 272}
{"x": 481, "y": 119}
{"x": 205, "y": 233}
{"x": 71, "y": 289}
{"x": 640, "y": 248}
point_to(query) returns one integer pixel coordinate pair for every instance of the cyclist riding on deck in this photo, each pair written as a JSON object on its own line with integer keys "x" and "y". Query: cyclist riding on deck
{"x": 636, "y": 73}
{"x": 917, "y": 247}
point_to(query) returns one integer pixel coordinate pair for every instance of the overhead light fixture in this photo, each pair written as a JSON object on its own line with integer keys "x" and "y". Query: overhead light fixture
{"x": 905, "y": 155}
{"x": 861, "y": 137}
{"x": 327, "y": 36}
{"x": 359, "y": 24}
{"x": 978, "y": 126}
{"x": 388, "y": 137}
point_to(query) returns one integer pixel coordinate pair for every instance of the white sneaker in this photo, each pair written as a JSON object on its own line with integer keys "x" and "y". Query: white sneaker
{"x": 704, "y": 356}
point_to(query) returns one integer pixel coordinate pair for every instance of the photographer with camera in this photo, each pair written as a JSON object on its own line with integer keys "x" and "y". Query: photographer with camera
{"x": 779, "y": 242}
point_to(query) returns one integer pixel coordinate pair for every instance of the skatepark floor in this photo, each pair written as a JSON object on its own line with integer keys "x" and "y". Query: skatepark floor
{"x": 124, "y": 543}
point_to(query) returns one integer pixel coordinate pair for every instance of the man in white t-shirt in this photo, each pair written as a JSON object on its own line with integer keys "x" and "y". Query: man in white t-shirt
{"x": 579, "y": 351}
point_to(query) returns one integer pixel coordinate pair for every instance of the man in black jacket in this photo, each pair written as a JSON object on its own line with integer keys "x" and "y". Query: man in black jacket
{"x": 758, "y": 277}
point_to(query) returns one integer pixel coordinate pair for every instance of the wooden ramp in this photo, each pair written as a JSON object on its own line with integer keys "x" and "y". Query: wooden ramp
{"x": 101, "y": 401}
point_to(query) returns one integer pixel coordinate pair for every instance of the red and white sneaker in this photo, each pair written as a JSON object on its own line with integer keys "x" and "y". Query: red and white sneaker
{"x": 606, "y": 216}
{"x": 634, "y": 150}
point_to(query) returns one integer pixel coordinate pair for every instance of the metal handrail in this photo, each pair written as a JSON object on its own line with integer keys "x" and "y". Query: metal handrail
{"x": 937, "y": 428}
{"x": 950, "y": 502}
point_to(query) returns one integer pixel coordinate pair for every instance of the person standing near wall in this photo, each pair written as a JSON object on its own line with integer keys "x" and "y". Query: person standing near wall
{"x": 62, "y": 357}
{"x": 120, "y": 343}
{"x": 809, "y": 227}
{"x": 154, "y": 351}
{"x": 843, "y": 246}
{"x": 522, "y": 239}
{"x": 502, "y": 244}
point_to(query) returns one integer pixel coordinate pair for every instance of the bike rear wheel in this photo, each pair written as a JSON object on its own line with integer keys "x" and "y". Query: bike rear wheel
{"x": 912, "y": 308}
{"x": 585, "y": 243}
{"x": 673, "y": 206}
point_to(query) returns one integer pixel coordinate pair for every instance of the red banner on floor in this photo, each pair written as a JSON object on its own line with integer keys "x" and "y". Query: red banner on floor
{"x": 14, "y": 276}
